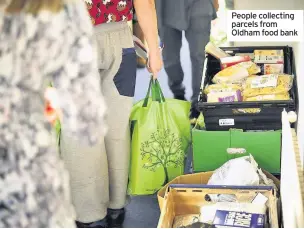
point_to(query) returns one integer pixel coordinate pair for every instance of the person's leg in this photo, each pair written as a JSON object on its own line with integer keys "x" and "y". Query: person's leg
{"x": 198, "y": 35}
{"x": 172, "y": 40}
{"x": 88, "y": 166}
{"x": 118, "y": 89}
{"x": 88, "y": 170}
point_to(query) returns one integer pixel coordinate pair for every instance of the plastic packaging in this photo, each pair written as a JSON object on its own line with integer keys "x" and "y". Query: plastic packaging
{"x": 233, "y": 60}
{"x": 267, "y": 85}
{"x": 215, "y": 51}
{"x": 271, "y": 97}
{"x": 236, "y": 74}
{"x": 222, "y": 88}
{"x": 232, "y": 96}
{"x": 242, "y": 171}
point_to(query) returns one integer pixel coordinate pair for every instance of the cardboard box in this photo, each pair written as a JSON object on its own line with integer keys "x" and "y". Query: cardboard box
{"x": 183, "y": 200}
{"x": 198, "y": 179}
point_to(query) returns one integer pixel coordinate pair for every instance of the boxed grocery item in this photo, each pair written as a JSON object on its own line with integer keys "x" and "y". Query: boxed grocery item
{"x": 245, "y": 215}
{"x": 233, "y": 60}
{"x": 192, "y": 199}
{"x": 250, "y": 54}
{"x": 272, "y": 68}
{"x": 215, "y": 51}
{"x": 269, "y": 56}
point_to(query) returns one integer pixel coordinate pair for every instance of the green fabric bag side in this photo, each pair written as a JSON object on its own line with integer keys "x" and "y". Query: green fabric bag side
{"x": 160, "y": 137}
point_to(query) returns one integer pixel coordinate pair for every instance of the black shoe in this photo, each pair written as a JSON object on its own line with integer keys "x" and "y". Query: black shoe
{"x": 116, "y": 217}
{"x": 180, "y": 97}
{"x": 97, "y": 224}
{"x": 194, "y": 114}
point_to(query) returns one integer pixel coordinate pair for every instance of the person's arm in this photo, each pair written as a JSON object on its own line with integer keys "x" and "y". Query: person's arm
{"x": 146, "y": 15}
{"x": 216, "y": 5}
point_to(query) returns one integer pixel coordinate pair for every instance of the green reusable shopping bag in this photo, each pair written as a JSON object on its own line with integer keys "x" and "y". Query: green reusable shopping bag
{"x": 160, "y": 136}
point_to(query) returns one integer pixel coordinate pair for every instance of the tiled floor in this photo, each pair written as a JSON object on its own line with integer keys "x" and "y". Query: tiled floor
{"x": 143, "y": 212}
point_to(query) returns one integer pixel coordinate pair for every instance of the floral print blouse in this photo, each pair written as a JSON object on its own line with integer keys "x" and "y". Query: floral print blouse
{"x": 34, "y": 51}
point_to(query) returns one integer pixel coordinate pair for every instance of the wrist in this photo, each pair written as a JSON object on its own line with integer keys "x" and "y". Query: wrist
{"x": 154, "y": 50}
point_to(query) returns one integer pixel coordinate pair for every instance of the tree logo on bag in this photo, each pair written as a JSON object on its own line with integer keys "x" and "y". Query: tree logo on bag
{"x": 163, "y": 149}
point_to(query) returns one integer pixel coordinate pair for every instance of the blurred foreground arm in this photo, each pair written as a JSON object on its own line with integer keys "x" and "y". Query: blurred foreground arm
{"x": 216, "y": 5}
{"x": 146, "y": 14}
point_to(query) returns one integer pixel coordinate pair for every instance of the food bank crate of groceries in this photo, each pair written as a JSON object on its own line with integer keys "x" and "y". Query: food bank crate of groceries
{"x": 247, "y": 87}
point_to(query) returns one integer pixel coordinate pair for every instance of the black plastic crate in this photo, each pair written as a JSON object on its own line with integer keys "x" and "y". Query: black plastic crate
{"x": 223, "y": 116}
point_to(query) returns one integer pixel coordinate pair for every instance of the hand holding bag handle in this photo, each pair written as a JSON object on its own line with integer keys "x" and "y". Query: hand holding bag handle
{"x": 156, "y": 92}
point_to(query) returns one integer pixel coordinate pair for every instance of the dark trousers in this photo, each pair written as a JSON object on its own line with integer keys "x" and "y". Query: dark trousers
{"x": 197, "y": 35}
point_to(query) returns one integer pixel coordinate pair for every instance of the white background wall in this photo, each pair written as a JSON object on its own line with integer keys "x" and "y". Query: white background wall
{"x": 297, "y": 46}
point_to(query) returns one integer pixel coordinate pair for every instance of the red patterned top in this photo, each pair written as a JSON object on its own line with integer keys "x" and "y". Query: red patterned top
{"x": 106, "y": 11}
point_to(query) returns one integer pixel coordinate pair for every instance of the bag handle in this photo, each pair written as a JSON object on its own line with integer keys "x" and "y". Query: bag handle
{"x": 160, "y": 92}
{"x": 155, "y": 91}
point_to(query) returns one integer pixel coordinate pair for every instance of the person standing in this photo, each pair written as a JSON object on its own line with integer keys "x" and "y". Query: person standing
{"x": 43, "y": 42}
{"x": 99, "y": 175}
{"x": 194, "y": 18}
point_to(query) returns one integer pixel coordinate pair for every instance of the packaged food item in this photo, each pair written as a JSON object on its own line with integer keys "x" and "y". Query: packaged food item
{"x": 272, "y": 97}
{"x": 251, "y": 55}
{"x": 273, "y": 69}
{"x": 233, "y": 60}
{"x": 222, "y": 88}
{"x": 239, "y": 219}
{"x": 215, "y": 51}
{"x": 232, "y": 96}
{"x": 236, "y": 74}
{"x": 235, "y": 215}
{"x": 269, "y": 56}
{"x": 267, "y": 85}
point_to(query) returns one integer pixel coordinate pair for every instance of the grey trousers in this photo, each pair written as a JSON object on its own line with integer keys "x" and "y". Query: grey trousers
{"x": 99, "y": 175}
{"x": 197, "y": 35}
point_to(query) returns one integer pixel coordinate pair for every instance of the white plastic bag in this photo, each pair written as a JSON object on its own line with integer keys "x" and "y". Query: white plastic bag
{"x": 242, "y": 171}
{"x": 239, "y": 172}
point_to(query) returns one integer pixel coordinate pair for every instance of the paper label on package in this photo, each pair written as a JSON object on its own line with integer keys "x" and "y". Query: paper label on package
{"x": 226, "y": 122}
{"x": 265, "y": 81}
